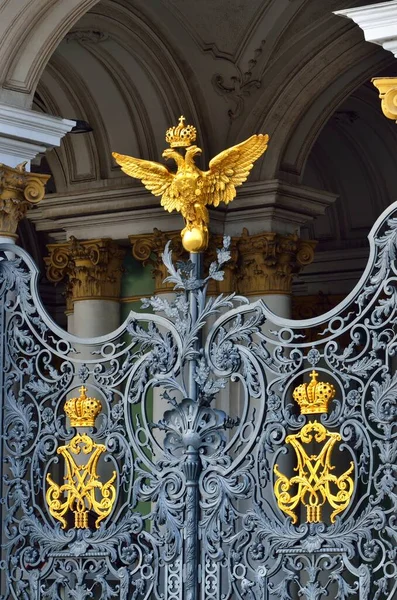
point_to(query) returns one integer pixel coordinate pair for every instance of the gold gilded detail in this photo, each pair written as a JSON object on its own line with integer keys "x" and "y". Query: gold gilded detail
{"x": 82, "y": 411}
{"x": 82, "y": 487}
{"x": 315, "y": 396}
{"x": 91, "y": 268}
{"x": 19, "y": 191}
{"x": 387, "y": 87}
{"x": 315, "y": 484}
{"x": 269, "y": 261}
{"x": 260, "y": 264}
{"x": 82, "y": 493}
{"x": 182, "y": 135}
{"x": 190, "y": 190}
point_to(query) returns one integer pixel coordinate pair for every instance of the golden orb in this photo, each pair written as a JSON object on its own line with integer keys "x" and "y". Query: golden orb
{"x": 195, "y": 239}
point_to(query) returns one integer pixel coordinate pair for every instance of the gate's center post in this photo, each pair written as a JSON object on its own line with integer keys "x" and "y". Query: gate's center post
{"x": 189, "y": 191}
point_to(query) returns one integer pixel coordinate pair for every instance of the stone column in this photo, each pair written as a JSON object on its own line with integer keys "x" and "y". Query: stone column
{"x": 267, "y": 264}
{"x": 92, "y": 270}
{"x": 261, "y": 266}
{"x": 148, "y": 249}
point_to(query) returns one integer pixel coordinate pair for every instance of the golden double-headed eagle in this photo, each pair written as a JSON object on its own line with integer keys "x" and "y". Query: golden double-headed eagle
{"x": 190, "y": 190}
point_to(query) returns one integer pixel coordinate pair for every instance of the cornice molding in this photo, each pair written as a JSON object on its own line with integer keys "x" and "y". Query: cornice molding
{"x": 34, "y": 126}
{"x": 378, "y": 22}
{"x": 271, "y": 205}
{"x": 26, "y": 133}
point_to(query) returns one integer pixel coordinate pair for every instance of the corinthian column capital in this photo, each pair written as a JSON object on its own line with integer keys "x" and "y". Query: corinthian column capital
{"x": 387, "y": 88}
{"x": 269, "y": 261}
{"x": 92, "y": 269}
{"x": 148, "y": 249}
{"x": 19, "y": 191}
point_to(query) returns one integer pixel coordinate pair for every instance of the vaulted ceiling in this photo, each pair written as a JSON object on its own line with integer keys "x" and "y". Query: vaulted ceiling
{"x": 286, "y": 67}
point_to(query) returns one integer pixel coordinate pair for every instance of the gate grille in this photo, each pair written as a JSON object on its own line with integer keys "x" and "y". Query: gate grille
{"x": 199, "y": 510}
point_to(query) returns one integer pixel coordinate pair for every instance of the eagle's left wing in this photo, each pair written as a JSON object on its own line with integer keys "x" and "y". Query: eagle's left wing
{"x": 230, "y": 169}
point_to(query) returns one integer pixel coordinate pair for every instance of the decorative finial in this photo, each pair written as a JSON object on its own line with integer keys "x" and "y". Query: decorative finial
{"x": 182, "y": 135}
{"x": 191, "y": 190}
{"x": 314, "y": 397}
{"x": 82, "y": 411}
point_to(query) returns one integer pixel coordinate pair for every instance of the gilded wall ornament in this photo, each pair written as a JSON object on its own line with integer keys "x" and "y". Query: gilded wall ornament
{"x": 387, "y": 87}
{"x": 19, "y": 191}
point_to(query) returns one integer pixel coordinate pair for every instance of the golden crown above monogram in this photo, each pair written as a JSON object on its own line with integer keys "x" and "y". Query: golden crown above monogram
{"x": 82, "y": 411}
{"x": 315, "y": 396}
{"x": 182, "y": 135}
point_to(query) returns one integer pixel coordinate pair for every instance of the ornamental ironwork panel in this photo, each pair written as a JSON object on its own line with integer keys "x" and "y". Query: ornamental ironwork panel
{"x": 207, "y": 449}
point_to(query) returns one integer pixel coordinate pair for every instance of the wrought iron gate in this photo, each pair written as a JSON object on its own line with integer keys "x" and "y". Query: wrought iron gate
{"x": 270, "y": 475}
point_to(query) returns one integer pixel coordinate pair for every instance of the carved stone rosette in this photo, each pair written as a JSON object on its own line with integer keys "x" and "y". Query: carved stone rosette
{"x": 148, "y": 249}
{"x": 92, "y": 268}
{"x": 269, "y": 261}
{"x": 260, "y": 264}
{"x": 19, "y": 191}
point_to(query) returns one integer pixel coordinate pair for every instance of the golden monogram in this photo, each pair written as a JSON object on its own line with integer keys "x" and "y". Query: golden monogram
{"x": 82, "y": 492}
{"x": 314, "y": 484}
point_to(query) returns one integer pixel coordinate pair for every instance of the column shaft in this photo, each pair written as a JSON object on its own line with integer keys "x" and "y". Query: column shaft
{"x": 92, "y": 270}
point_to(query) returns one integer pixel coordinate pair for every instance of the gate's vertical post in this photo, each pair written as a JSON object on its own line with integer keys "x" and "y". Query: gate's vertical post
{"x": 197, "y": 260}
{"x": 192, "y": 467}
{"x": 192, "y": 464}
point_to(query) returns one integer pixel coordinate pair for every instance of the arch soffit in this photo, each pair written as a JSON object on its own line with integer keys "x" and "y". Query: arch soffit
{"x": 65, "y": 84}
{"x": 176, "y": 81}
{"x": 30, "y": 31}
{"x": 308, "y": 71}
{"x": 304, "y": 106}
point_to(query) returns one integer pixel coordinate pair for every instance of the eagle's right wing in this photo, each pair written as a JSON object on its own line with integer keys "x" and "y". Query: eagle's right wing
{"x": 155, "y": 177}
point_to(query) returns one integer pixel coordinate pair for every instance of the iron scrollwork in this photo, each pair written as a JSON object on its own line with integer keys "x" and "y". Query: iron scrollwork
{"x": 195, "y": 513}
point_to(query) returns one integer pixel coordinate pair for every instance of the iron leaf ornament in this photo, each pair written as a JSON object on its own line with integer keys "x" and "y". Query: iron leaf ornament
{"x": 197, "y": 408}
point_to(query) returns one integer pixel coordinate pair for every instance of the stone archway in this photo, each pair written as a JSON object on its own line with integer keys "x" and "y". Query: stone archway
{"x": 30, "y": 30}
